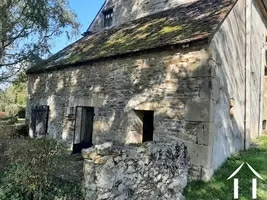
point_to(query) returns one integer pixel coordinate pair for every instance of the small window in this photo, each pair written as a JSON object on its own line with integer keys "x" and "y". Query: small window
{"x": 108, "y": 18}
{"x": 264, "y": 124}
{"x": 148, "y": 125}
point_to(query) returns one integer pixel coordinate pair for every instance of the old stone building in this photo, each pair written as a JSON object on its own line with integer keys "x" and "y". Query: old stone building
{"x": 165, "y": 70}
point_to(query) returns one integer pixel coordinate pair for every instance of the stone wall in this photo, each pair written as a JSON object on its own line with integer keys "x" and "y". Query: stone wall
{"x": 237, "y": 59}
{"x": 228, "y": 60}
{"x": 129, "y": 10}
{"x": 149, "y": 171}
{"x": 264, "y": 116}
{"x": 175, "y": 84}
{"x": 257, "y": 60}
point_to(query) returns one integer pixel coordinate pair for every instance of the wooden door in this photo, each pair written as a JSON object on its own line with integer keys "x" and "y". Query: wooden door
{"x": 83, "y": 128}
{"x": 39, "y": 120}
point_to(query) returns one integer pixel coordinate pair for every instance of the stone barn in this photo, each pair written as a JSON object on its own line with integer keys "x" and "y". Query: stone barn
{"x": 185, "y": 70}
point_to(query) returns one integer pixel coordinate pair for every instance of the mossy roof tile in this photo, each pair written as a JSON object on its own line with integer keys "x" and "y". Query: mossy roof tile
{"x": 186, "y": 23}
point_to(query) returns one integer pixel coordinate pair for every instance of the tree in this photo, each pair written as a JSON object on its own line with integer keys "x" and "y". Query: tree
{"x": 13, "y": 99}
{"x": 27, "y": 29}
{"x": 20, "y": 82}
{"x": 15, "y": 93}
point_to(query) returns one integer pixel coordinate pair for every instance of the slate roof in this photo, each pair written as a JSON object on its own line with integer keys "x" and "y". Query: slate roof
{"x": 186, "y": 23}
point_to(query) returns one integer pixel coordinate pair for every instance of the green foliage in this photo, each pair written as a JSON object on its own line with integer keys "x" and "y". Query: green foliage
{"x": 40, "y": 169}
{"x": 222, "y": 189}
{"x": 20, "y": 82}
{"x": 13, "y": 96}
{"x": 13, "y": 99}
{"x": 2, "y": 106}
{"x": 28, "y": 29}
{"x": 21, "y": 98}
{"x": 12, "y": 110}
{"x": 20, "y": 89}
{"x": 22, "y": 112}
{"x": 9, "y": 120}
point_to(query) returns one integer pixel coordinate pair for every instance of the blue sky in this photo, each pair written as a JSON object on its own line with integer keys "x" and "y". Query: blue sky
{"x": 86, "y": 11}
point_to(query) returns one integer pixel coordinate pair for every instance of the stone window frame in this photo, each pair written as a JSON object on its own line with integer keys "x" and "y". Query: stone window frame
{"x": 108, "y": 15}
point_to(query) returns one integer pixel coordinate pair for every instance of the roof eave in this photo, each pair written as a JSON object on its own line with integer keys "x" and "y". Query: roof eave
{"x": 183, "y": 45}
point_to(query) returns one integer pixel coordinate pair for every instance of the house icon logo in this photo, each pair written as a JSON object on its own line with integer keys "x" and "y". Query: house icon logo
{"x": 254, "y": 181}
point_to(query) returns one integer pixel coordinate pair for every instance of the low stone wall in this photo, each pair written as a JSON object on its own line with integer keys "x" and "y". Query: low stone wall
{"x": 146, "y": 171}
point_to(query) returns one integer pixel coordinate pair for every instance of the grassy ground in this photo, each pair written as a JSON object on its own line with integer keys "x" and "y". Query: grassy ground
{"x": 21, "y": 120}
{"x": 219, "y": 188}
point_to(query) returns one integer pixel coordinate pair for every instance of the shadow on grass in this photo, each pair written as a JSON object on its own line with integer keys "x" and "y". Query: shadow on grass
{"x": 219, "y": 188}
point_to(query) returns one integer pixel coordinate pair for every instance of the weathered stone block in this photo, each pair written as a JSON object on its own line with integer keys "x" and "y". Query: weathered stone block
{"x": 89, "y": 153}
{"x": 199, "y": 154}
{"x": 200, "y": 173}
{"x": 216, "y": 89}
{"x": 199, "y": 110}
{"x": 104, "y": 149}
{"x": 203, "y": 132}
{"x": 205, "y": 89}
{"x": 101, "y": 160}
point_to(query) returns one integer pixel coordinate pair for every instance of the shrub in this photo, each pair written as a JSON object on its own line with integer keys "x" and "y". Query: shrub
{"x": 12, "y": 110}
{"x": 22, "y": 130}
{"x": 40, "y": 169}
{"x": 22, "y": 112}
{"x": 9, "y": 120}
{"x": 3, "y": 107}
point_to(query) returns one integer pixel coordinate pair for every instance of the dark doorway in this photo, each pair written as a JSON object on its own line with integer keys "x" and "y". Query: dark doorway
{"x": 148, "y": 126}
{"x": 39, "y": 120}
{"x": 83, "y": 129}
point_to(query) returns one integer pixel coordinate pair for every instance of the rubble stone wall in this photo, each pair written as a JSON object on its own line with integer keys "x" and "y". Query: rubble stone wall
{"x": 149, "y": 171}
{"x": 175, "y": 84}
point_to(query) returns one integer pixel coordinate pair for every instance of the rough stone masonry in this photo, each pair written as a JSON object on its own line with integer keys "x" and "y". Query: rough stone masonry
{"x": 149, "y": 171}
{"x": 176, "y": 84}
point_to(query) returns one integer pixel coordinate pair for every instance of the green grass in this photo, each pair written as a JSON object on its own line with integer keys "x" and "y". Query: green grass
{"x": 21, "y": 120}
{"x": 219, "y": 188}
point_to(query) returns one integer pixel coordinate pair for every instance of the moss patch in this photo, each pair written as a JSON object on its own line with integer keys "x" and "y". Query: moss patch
{"x": 182, "y": 24}
{"x": 169, "y": 29}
